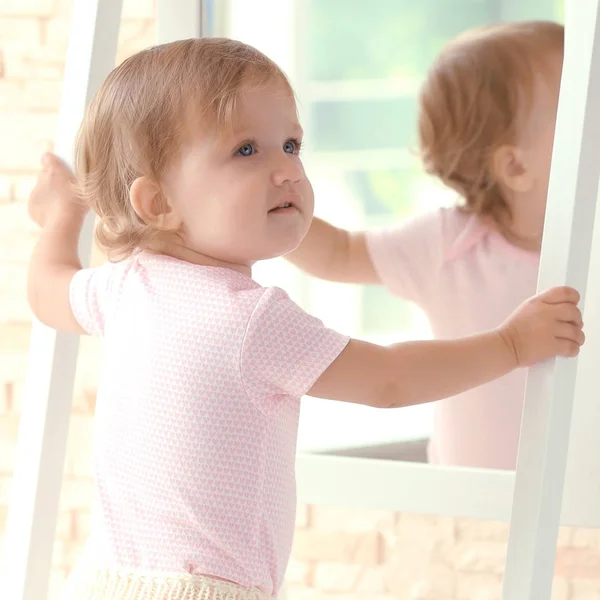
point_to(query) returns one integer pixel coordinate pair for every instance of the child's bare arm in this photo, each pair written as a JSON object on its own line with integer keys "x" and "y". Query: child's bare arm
{"x": 55, "y": 207}
{"x": 417, "y": 372}
{"x": 334, "y": 254}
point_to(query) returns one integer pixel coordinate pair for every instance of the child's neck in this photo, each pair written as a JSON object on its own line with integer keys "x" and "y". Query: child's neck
{"x": 524, "y": 226}
{"x": 530, "y": 242}
{"x": 521, "y": 233}
{"x": 181, "y": 252}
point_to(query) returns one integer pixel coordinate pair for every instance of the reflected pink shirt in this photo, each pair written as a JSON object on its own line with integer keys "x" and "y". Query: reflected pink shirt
{"x": 467, "y": 278}
{"x": 197, "y": 416}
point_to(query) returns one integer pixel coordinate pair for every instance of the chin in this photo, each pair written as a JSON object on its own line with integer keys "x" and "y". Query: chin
{"x": 290, "y": 248}
{"x": 279, "y": 250}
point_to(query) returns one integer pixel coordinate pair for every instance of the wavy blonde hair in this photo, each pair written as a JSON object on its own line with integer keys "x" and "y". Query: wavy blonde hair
{"x": 472, "y": 100}
{"x": 137, "y": 123}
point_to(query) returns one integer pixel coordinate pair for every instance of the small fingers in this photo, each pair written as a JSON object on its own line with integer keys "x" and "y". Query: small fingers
{"x": 570, "y": 333}
{"x": 51, "y": 162}
{"x": 558, "y": 295}
{"x": 567, "y": 348}
{"x": 568, "y": 313}
{"x": 47, "y": 160}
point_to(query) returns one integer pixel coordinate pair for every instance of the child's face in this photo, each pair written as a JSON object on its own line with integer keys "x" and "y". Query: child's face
{"x": 243, "y": 195}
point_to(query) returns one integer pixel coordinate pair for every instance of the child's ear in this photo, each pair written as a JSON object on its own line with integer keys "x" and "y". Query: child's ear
{"x": 150, "y": 205}
{"x": 510, "y": 169}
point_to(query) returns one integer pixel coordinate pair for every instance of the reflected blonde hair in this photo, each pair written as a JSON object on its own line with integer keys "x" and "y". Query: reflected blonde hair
{"x": 142, "y": 116}
{"x": 474, "y": 98}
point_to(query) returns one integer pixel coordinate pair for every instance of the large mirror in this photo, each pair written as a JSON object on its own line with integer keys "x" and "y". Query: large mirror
{"x": 358, "y": 73}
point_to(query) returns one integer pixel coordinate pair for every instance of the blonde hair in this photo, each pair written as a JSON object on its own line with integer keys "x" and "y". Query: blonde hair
{"x": 472, "y": 102}
{"x": 137, "y": 123}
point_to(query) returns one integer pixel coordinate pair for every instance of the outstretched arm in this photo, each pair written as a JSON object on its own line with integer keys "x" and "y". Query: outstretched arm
{"x": 54, "y": 206}
{"x": 334, "y": 254}
{"x": 424, "y": 371}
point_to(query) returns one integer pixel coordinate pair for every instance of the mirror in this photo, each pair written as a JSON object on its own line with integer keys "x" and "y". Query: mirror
{"x": 358, "y": 83}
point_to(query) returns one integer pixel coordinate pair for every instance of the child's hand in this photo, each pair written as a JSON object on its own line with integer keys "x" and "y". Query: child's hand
{"x": 544, "y": 326}
{"x": 54, "y": 194}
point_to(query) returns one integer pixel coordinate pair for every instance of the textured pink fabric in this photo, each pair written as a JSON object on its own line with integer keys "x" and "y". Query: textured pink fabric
{"x": 197, "y": 415}
{"x": 467, "y": 278}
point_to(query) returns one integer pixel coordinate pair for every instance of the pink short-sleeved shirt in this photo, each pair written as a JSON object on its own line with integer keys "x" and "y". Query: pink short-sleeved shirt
{"x": 197, "y": 415}
{"x": 467, "y": 278}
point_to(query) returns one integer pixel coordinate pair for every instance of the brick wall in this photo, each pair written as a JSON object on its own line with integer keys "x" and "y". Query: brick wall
{"x": 344, "y": 554}
{"x": 338, "y": 554}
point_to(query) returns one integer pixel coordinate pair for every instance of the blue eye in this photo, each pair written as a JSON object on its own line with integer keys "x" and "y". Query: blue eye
{"x": 291, "y": 147}
{"x": 246, "y": 150}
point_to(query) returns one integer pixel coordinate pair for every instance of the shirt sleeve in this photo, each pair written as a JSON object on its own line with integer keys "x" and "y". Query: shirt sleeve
{"x": 408, "y": 257}
{"x": 89, "y": 296}
{"x": 285, "y": 350}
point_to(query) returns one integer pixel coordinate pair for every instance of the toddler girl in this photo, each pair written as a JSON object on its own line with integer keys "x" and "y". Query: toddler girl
{"x": 189, "y": 157}
{"x": 486, "y": 128}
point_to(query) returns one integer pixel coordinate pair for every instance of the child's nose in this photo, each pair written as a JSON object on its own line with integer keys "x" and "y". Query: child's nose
{"x": 287, "y": 169}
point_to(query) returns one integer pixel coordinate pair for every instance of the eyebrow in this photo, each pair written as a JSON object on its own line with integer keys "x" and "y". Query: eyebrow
{"x": 295, "y": 129}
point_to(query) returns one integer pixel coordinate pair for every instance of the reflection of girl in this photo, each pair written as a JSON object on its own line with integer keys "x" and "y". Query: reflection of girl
{"x": 486, "y": 128}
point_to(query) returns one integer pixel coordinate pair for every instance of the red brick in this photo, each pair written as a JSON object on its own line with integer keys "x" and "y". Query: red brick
{"x": 22, "y": 185}
{"x": 13, "y": 291}
{"x": 9, "y": 431}
{"x": 79, "y": 446}
{"x": 472, "y": 530}
{"x": 66, "y": 554}
{"x": 17, "y": 8}
{"x": 299, "y": 573}
{"x": 302, "y": 515}
{"x": 584, "y": 589}
{"x": 421, "y": 540}
{"x": 40, "y": 62}
{"x": 365, "y": 548}
{"x": 481, "y": 586}
{"x": 328, "y": 518}
{"x": 586, "y": 538}
{"x": 480, "y": 557}
{"x": 582, "y": 563}
{"x": 421, "y": 582}
{"x": 337, "y": 577}
{"x": 56, "y": 32}
{"x": 372, "y": 581}
{"x": 561, "y": 589}
{"x": 19, "y": 30}
{"x": 6, "y": 183}
{"x": 31, "y": 94}
{"x": 134, "y": 35}
{"x": 84, "y": 402}
{"x": 76, "y": 494}
{"x": 29, "y": 125}
{"x": 7, "y": 396}
{"x": 440, "y": 529}
{"x": 138, "y": 9}
{"x": 11, "y": 393}
{"x": 24, "y": 152}
{"x": 65, "y": 526}
{"x": 14, "y": 337}
{"x": 83, "y": 520}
